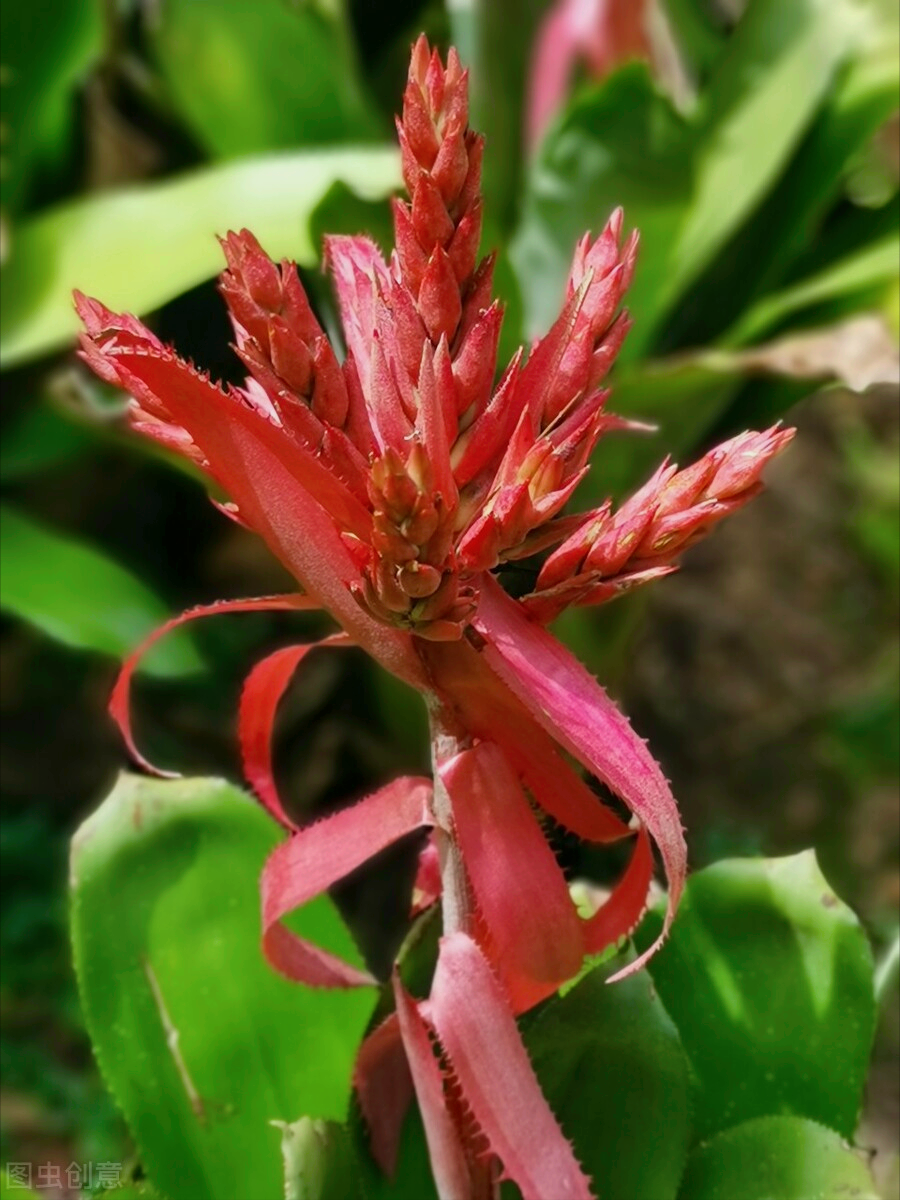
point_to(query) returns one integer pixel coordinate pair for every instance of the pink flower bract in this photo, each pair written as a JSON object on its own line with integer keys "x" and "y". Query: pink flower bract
{"x": 392, "y": 485}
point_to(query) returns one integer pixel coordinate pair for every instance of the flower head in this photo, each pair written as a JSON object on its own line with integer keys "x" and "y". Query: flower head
{"x": 391, "y": 485}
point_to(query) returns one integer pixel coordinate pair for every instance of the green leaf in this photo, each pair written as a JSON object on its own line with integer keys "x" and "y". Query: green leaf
{"x": 263, "y": 76}
{"x": 748, "y": 132}
{"x": 40, "y": 438}
{"x": 78, "y": 596}
{"x": 725, "y": 200}
{"x": 14, "y": 1191}
{"x": 47, "y": 51}
{"x": 619, "y": 143}
{"x": 698, "y": 35}
{"x": 789, "y": 220}
{"x": 784, "y": 1158}
{"x": 768, "y": 976}
{"x": 874, "y": 265}
{"x": 319, "y": 1163}
{"x": 202, "y": 1044}
{"x": 137, "y": 248}
{"x": 610, "y": 1064}
{"x": 131, "y": 1191}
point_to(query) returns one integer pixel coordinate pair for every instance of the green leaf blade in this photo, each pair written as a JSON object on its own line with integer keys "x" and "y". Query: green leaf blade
{"x": 768, "y": 977}
{"x": 202, "y": 1044}
{"x": 79, "y": 597}
{"x": 785, "y": 1158}
{"x": 775, "y": 72}
{"x": 263, "y": 76}
{"x": 137, "y": 248}
{"x": 47, "y": 53}
{"x": 611, "y": 1066}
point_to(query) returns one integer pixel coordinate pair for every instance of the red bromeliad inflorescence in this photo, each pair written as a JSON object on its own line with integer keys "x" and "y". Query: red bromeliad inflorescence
{"x": 392, "y": 485}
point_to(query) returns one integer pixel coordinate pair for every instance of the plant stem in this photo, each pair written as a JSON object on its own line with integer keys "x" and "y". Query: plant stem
{"x": 456, "y": 902}
{"x": 447, "y": 739}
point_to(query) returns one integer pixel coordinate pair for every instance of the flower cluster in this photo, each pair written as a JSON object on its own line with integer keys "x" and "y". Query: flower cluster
{"x": 391, "y": 485}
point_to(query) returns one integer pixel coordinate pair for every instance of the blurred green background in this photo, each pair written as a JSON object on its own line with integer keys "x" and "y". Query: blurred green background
{"x": 754, "y": 144}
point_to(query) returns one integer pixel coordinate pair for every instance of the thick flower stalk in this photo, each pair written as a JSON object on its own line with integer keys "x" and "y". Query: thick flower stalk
{"x": 391, "y": 485}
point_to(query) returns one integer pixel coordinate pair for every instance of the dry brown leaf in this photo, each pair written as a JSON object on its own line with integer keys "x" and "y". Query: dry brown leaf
{"x": 858, "y": 353}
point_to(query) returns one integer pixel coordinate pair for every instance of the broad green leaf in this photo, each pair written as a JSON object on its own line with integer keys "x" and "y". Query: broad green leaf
{"x": 131, "y": 1191}
{"x": 768, "y": 977}
{"x": 612, "y": 1069}
{"x": 48, "y": 50}
{"x": 775, "y": 72}
{"x": 262, "y": 76}
{"x": 78, "y": 596}
{"x": 784, "y": 1158}
{"x": 789, "y": 221}
{"x": 202, "y": 1044}
{"x": 619, "y": 143}
{"x": 137, "y": 248}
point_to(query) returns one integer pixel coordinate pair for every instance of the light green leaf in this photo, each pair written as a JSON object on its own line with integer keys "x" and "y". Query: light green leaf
{"x": 872, "y": 266}
{"x": 78, "y": 596}
{"x": 319, "y": 1163}
{"x": 784, "y": 1158}
{"x": 137, "y": 248}
{"x": 791, "y": 220}
{"x": 775, "y": 72}
{"x": 768, "y": 977}
{"x": 725, "y": 201}
{"x": 15, "y": 1191}
{"x": 610, "y": 1064}
{"x": 263, "y": 76}
{"x": 131, "y": 1191}
{"x": 202, "y": 1044}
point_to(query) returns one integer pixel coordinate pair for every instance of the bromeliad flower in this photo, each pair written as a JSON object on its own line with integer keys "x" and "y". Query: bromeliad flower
{"x": 391, "y": 486}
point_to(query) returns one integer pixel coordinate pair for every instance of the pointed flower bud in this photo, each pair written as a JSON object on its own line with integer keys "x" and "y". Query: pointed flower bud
{"x": 612, "y": 552}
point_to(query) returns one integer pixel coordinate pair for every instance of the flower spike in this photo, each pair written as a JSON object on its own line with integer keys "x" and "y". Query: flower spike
{"x": 391, "y": 486}
{"x": 612, "y": 552}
